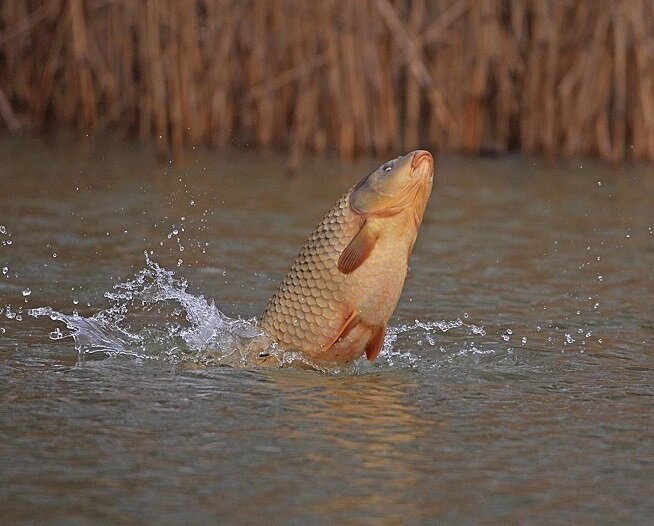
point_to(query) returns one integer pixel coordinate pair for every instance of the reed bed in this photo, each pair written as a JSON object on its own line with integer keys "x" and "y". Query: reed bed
{"x": 548, "y": 77}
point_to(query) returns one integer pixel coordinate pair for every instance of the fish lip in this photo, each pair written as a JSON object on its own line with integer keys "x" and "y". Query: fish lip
{"x": 420, "y": 156}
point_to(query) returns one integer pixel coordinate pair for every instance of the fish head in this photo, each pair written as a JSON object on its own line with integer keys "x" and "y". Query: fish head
{"x": 397, "y": 185}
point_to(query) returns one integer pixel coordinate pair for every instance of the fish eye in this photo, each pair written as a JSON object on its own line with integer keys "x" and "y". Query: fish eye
{"x": 387, "y": 167}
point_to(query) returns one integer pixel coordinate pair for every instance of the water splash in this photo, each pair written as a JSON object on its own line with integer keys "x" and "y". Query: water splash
{"x": 423, "y": 332}
{"x": 153, "y": 316}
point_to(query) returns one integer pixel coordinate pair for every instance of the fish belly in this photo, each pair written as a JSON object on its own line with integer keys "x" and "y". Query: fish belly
{"x": 376, "y": 286}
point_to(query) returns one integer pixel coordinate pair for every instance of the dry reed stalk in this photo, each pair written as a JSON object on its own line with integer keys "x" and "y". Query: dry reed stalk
{"x": 413, "y": 95}
{"x": 7, "y": 113}
{"x": 81, "y": 58}
{"x": 551, "y": 77}
{"x": 618, "y": 116}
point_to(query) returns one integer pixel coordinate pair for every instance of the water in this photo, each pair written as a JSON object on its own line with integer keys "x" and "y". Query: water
{"x": 515, "y": 384}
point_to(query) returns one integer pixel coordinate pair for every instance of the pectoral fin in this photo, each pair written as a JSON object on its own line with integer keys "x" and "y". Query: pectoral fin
{"x": 352, "y": 321}
{"x": 376, "y": 342}
{"x": 358, "y": 250}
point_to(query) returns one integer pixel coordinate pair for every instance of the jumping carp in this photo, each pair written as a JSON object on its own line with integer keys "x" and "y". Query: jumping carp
{"x": 343, "y": 287}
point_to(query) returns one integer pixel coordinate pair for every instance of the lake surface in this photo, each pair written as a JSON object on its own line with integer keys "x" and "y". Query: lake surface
{"x": 515, "y": 385}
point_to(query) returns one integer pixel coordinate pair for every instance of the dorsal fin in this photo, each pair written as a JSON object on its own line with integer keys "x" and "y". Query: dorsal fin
{"x": 358, "y": 250}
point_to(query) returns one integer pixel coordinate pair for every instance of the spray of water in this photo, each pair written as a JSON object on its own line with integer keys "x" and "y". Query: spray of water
{"x": 152, "y": 316}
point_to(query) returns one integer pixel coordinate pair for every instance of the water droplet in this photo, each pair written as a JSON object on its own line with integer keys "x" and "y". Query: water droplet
{"x": 56, "y": 334}
{"x": 3, "y": 230}
{"x": 569, "y": 338}
{"x": 54, "y": 254}
{"x": 5, "y": 270}
{"x": 524, "y": 340}
{"x": 75, "y": 302}
{"x": 27, "y": 292}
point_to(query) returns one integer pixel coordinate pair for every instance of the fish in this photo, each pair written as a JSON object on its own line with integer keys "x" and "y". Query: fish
{"x": 334, "y": 304}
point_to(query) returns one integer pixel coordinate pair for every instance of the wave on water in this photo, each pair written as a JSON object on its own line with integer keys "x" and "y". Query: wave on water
{"x": 152, "y": 316}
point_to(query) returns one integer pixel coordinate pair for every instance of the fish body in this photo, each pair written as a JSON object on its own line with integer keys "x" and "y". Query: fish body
{"x": 335, "y": 302}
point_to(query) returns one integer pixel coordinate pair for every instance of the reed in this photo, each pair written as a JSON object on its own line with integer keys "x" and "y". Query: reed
{"x": 548, "y": 77}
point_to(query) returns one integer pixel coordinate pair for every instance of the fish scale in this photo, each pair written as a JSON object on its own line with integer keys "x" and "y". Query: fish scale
{"x": 314, "y": 287}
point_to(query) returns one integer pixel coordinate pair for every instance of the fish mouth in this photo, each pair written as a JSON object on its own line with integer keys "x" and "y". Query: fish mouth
{"x": 420, "y": 157}
{"x": 422, "y": 173}
{"x": 422, "y": 166}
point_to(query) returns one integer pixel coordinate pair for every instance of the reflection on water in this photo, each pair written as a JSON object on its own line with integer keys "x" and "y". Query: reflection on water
{"x": 364, "y": 427}
{"x": 514, "y": 385}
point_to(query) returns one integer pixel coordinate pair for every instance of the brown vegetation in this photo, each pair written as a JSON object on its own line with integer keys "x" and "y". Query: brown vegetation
{"x": 552, "y": 77}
